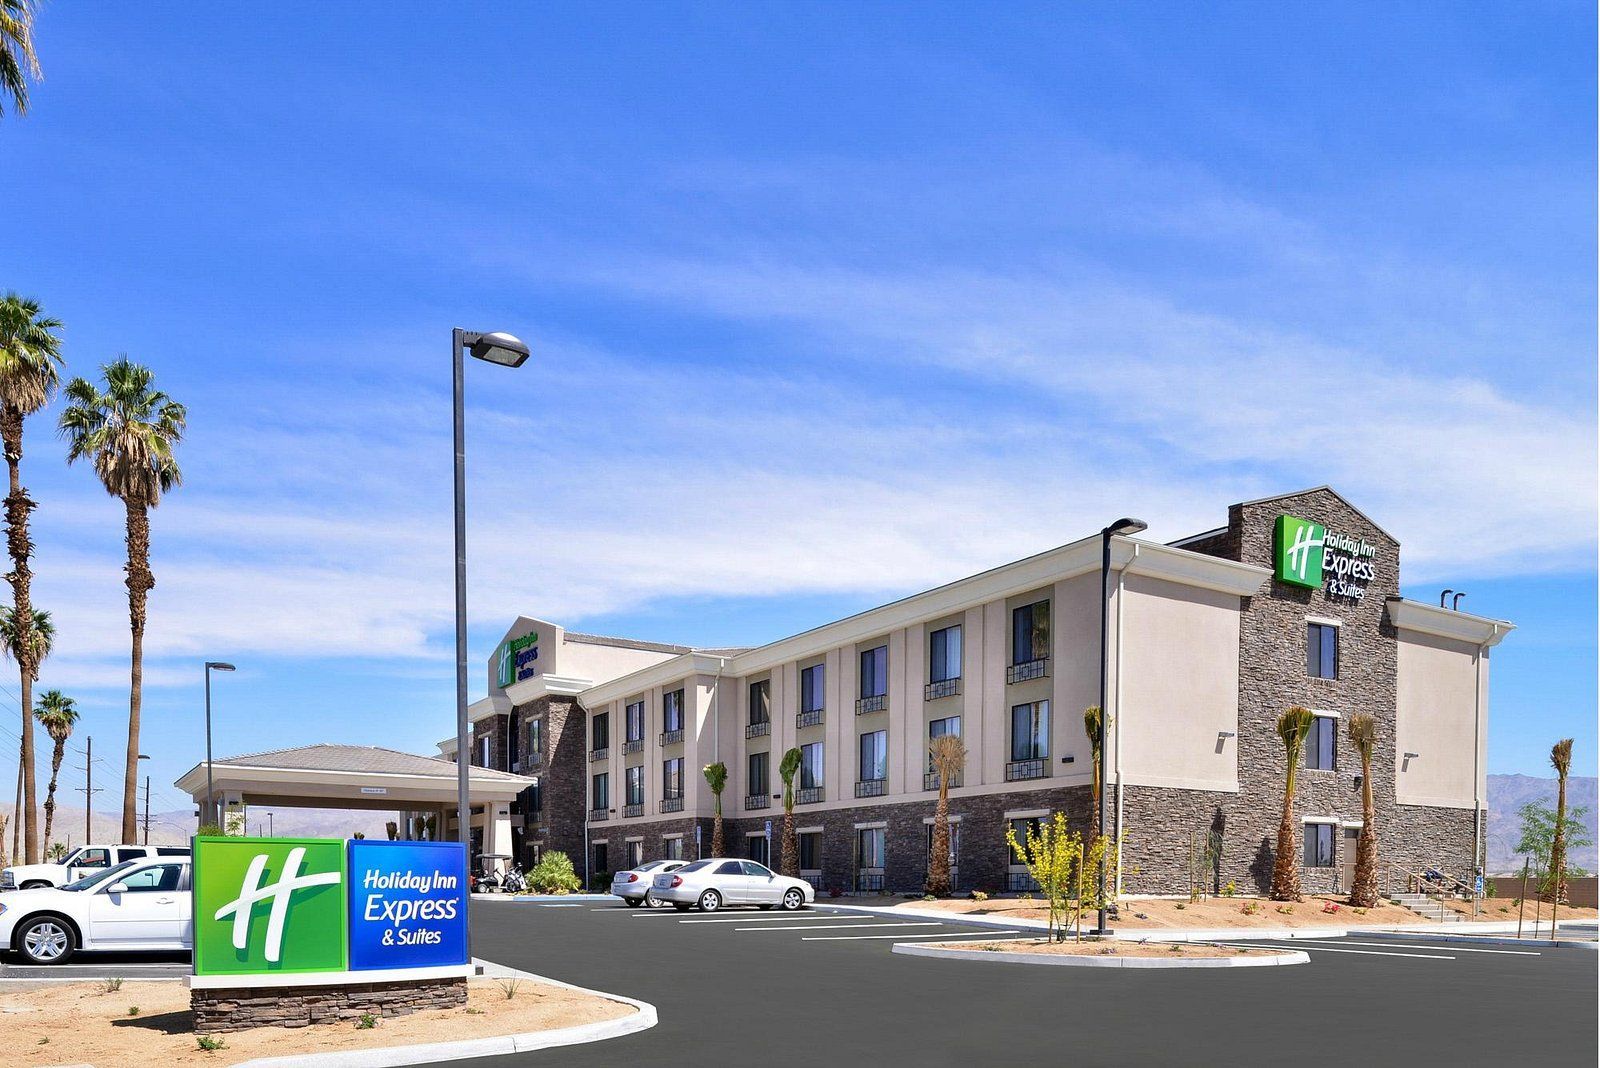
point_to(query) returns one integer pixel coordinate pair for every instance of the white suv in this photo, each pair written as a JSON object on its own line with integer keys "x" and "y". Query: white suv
{"x": 85, "y": 860}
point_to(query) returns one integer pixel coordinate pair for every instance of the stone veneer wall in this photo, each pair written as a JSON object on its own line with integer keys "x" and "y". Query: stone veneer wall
{"x": 563, "y": 771}
{"x": 241, "y": 1008}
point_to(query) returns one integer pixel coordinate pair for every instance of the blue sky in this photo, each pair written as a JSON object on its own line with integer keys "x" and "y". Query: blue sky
{"x": 828, "y": 302}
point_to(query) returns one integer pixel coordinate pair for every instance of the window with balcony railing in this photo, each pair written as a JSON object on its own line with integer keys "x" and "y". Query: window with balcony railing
{"x": 813, "y": 718}
{"x": 757, "y": 730}
{"x": 672, "y": 804}
{"x": 1017, "y": 770}
{"x": 755, "y": 801}
{"x": 871, "y": 787}
{"x": 808, "y": 795}
{"x": 635, "y": 745}
{"x": 1020, "y": 882}
{"x": 1031, "y": 669}
{"x": 598, "y": 814}
{"x": 943, "y": 688}
{"x": 872, "y": 704}
{"x": 672, "y": 737}
{"x": 633, "y": 810}
{"x": 599, "y": 754}
{"x": 930, "y": 781}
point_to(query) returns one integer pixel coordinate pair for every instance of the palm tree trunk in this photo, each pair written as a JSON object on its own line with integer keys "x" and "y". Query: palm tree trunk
{"x": 1364, "y": 887}
{"x": 1285, "y": 869}
{"x": 790, "y": 864}
{"x": 939, "y": 859}
{"x": 1558, "y": 844}
{"x": 140, "y": 580}
{"x": 50, "y": 793}
{"x": 20, "y": 546}
{"x": 716, "y": 828}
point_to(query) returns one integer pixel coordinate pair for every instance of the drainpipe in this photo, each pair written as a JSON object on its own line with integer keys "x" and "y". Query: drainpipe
{"x": 1116, "y": 744}
{"x": 1477, "y": 734}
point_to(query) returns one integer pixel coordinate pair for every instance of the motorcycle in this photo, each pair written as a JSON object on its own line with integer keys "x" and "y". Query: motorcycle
{"x": 515, "y": 882}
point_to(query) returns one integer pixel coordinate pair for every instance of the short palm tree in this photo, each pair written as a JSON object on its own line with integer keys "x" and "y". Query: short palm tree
{"x": 41, "y": 637}
{"x": 128, "y": 430}
{"x": 948, "y": 755}
{"x": 1561, "y": 760}
{"x": 716, "y": 778}
{"x": 1294, "y": 726}
{"x": 57, "y": 714}
{"x": 788, "y": 767}
{"x": 18, "y": 62}
{"x": 30, "y": 371}
{"x": 1362, "y": 730}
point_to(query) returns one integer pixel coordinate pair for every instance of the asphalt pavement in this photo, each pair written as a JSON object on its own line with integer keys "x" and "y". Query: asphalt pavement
{"x": 822, "y": 988}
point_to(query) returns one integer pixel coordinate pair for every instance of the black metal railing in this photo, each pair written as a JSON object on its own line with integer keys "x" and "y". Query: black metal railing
{"x": 672, "y": 804}
{"x": 1020, "y": 882}
{"x": 598, "y": 815}
{"x": 633, "y": 745}
{"x": 870, "y": 882}
{"x": 814, "y": 878}
{"x": 810, "y": 718}
{"x": 672, "y": 737}
{"x": 1030, "y": 669}
{"x": 599, "y": 754}
{"x": 870, "y": 787}
{"x": 758, "y": 730}
{"x": 1026, "y": 769}
{"x": 805, "y": 796}
{"x": 930, "y": 780}
{"x": 755, "y": 801}
{"x": 633, "y": 810}
{"x": 943, "y": 688}
{"x": 875, "y": 703}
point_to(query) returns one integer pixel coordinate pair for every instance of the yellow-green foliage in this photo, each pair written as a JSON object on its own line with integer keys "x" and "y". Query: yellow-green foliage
{"x": 1067, "y": 871}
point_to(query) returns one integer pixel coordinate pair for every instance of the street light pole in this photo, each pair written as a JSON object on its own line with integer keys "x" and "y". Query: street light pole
{"x": 507, "y": 351}
{"x": 1123, "y": 527}
{"x": 211, "y": 801}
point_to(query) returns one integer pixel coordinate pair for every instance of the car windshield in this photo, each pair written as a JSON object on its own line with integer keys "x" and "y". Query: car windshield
{"x": 89, "y": 882}
{"x": 71, "y": 858}
{"x": 696, "y": 866}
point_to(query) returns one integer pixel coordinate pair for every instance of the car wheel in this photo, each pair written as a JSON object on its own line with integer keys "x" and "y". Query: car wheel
{"x": 46, "y": 940}
{"x": 635, "y": 902}
{"x": 710, "y": 901}
{"x": 793, "y": 899}
{"x": 36, "y": 884}
{"x": 681, "y": 906}
{"x": 654, "y": 902}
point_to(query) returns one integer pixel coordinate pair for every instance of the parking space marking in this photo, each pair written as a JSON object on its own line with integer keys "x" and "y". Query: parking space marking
{"x": 1419, "y": 945}
{"x": 1361, "y": 952}
{"x": 768, "y": 919}
{"x": 997, "y": 936}
{"x": 847, "y": 926}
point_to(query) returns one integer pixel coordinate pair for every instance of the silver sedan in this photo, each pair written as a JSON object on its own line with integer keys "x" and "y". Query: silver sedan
{"x": 633, "y": 885}
{"x": 720, "y": 881}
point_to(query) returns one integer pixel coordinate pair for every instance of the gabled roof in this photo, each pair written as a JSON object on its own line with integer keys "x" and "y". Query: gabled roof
{"x": 1320, "y": 489}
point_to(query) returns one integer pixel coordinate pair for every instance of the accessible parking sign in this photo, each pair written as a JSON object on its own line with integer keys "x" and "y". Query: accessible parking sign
{"x": 408, "y": 904}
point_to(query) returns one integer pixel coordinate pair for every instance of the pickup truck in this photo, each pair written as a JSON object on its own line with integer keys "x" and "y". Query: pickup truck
{"x": 82, "y": 861}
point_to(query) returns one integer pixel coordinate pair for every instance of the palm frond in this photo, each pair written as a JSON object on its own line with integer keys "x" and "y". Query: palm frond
{"x": 1561, "y": 757}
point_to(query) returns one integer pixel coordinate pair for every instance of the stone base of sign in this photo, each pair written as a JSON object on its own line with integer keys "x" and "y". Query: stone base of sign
{"x": 240, "y": 1008}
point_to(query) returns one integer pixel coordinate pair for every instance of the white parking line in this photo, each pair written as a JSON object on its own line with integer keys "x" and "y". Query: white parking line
{"x": 849, "y": 926}
{"x": 1417, "y": 945}
{"x": 768, "y": 919}
{"x": 993, "y": 935}
{"x": 1362, "y": 952}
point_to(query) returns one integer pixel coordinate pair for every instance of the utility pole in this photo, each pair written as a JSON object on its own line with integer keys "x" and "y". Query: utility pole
{"x": 147, "y": 810}
{"x": 88, "y": 789}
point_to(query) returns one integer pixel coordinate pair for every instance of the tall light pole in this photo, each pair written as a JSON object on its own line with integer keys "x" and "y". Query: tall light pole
{"x": 146, "y": 756}
{"x": 507, "y": 351}
{"x": 1120, "y": 527}
{"x": 211, "y": 802}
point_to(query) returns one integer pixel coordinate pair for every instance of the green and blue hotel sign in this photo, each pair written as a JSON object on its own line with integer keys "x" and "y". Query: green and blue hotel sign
{"x": 517, "y": 659}
{"x": 327, "y": 909}
{"x": 1308, "y": 555}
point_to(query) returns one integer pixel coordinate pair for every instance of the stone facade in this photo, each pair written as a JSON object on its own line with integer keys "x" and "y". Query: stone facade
{"x": 241, "y": 1008}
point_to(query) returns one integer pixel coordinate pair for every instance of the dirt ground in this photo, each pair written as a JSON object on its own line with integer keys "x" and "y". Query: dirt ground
{"x": 1109, "y": 949}
{"x": 1166, "y": 913}
{"x": 149, "y": 1024}
{"x": 1505, "y": 909}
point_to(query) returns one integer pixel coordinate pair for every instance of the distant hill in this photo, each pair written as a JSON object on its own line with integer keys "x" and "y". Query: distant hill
{"x": 174, "y": 828}
{"x": 1507, "y": 795}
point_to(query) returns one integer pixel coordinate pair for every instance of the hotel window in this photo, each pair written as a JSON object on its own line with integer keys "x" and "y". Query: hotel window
{"x": 811, "y": 766}
{"x": 757, "y": 783}
{"x": 758, "y": 848}
{"x": 875, "y": 672}
{"x": 672, "y": 711}
{"x": 938, "y": 728}
{"x": 1319, "y": 845}
{"x": 955, "y": 841}
{"x": 635, "y": 714}
{"x": 811, "y": 683}
{"x": 600, "y": 857}
{"x": 1017, "y": 878}
{"x": 1030, "y": 731}
{"x": 633, "y": 854}
{"x": 600, "y": 729}
{"x": 811, "y": 851}
{"x": 672, "y": 849}
{"x": 761, "y": 701}
{"x": 869, "y": 843}
{"x": 672, "y": 779}
{"x": 633, "y": 785}
{"x": 1322, "y": 651}
{"x": 536, "y": 798}
{"x": 944, "y": 654}
{"x": 1322, "y": 744}
{"x": 874, "y": 756}
{"x": 600, "y": 797}
{"x": 535, "y": 739}
{"x": 1030, "y": 633}
{"x": 483, "y": 751}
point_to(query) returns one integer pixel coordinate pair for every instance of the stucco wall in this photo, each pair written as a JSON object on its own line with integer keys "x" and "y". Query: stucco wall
{"x": 1438, "y": 686}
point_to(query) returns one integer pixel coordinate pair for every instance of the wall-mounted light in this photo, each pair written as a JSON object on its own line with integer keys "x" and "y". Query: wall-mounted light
{"x": 1069, "y": 758}
{"x": 1227, "y": 734}
{"x": 1405, "y": 761}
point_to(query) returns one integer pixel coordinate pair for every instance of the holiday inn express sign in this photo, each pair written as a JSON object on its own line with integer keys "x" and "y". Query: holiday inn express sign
{"x": 1308, "y": 555}
{"x": 517, "y": 659}
{"x": 265, "y": 906}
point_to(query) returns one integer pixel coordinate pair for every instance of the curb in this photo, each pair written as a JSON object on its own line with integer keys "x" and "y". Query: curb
{"x": 560, "y": 899}
{"x": 913, "y": 949}
{"x": 643, "y": 1018}
{"x": 1490, "y": 940}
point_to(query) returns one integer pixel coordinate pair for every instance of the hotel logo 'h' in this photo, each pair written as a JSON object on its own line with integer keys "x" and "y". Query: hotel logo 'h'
{"x": 280, "y": 893}
{"x": 1300, "y": 549}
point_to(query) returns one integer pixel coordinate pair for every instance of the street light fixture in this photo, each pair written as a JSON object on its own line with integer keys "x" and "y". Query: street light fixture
{"x": 1122, "y": 527}
{"x": 506, "y": 351}
{"x": 211, "y": 803}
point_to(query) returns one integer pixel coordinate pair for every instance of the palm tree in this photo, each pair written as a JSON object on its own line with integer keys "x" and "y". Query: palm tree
{"x": 41, "y": 638}
{"x": 1094, "y": 727}
{"x": 128, "y": 430}
{"x": 1293, "y": 727}
{"x": 57, "y": 714}
{"x": 948, "y": 755}
{"x": 716, "y": 778}
{"x": 30, "y": 371}
{"x": 17, "y": 60}
{"x": 788, "y": 767}
{"x": 1362, "y": 730}
{"x": 1561, "y": 760}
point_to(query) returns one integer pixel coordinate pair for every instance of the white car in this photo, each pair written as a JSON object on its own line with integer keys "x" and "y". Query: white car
{"x": 720, "y": 881}
{"x": 82, "y": 861}
{"x": 633, "y": 885}
{"x": 138, "y": 905}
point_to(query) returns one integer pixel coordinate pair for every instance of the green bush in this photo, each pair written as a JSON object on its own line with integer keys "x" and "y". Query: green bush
{"x": 554, "y": 875}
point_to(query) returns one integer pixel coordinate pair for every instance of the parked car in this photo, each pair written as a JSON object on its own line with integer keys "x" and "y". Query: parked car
{"x": 136, "y": 905}
{"x": 82, "y": 861}
{"x": 633, "y": 886}
{"x": 720, "y": 881}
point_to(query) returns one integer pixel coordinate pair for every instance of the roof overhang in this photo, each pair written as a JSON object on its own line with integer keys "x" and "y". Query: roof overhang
{"x": 493, "y": 705}
{"x": 336, "y": 789}
{"x": 679, "y": 667}
{"x": 1446, "y": 623}
{"x": 521, "y": 693}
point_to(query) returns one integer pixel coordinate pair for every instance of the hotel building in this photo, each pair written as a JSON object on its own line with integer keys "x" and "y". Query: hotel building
{"x": 1295, "y": 601}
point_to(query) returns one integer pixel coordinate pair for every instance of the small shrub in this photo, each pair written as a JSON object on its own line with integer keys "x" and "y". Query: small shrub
{"x": 1180, "y": 906}
{"x": 929, "y": 897}
{"x": 1505, "y": 908}
{"x": 1359, "y": 911}
{"x": 1229, "y": 890}
{"x": 509, "y": 987}
{"x": 43, "y": 1042}
{"x": 1488, "y": 890}
{"x": 978, "y": 895}
{"x": 474, "y": 1012}
{"x": 1330, "y": 907}
{"x": 110, "y": 986}
{"x": 1284, "y": 910}
{"x": 554, "y": 875}
{"x": 1250, "y": 908}
{"x": 1176, "y": 947}
{"x": 836, "y": 891}
{"x": 133, "y": 1010}
{"x": 366, "y": 1022}
{"x": 209, "y": 1044}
